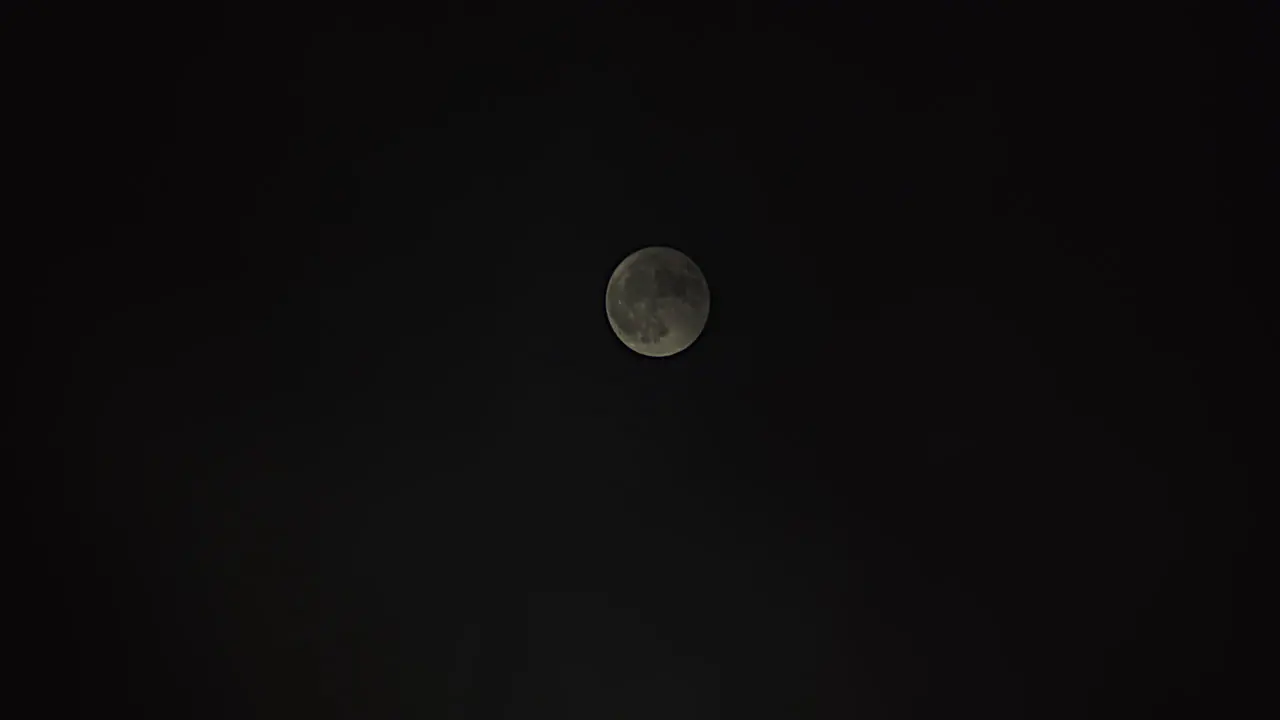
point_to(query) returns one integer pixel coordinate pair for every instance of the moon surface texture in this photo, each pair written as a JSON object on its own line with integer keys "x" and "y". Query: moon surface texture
{"x": 657, "y": 301}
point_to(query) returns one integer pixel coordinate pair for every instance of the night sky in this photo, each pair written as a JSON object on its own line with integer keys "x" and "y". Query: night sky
{"x": 328, "y": 420}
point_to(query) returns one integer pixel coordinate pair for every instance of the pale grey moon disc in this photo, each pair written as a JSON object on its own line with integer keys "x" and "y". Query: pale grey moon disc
{"x": 657, "y": 301}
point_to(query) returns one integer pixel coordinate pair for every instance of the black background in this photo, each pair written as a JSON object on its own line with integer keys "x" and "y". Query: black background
{"x": 327, "y": 419}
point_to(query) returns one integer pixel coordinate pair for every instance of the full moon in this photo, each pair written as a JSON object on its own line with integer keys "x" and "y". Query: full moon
{"x": 657, "y": 301}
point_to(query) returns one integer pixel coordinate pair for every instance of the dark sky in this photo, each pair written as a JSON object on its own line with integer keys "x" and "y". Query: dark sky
{"x": 329, "y": 421}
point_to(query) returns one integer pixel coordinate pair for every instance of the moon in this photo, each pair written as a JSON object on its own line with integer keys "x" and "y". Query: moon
{"x": 657, "y": 301}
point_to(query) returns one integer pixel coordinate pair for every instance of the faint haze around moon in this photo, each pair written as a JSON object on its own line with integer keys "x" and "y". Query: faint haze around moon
{"x": 657, "y": 301}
